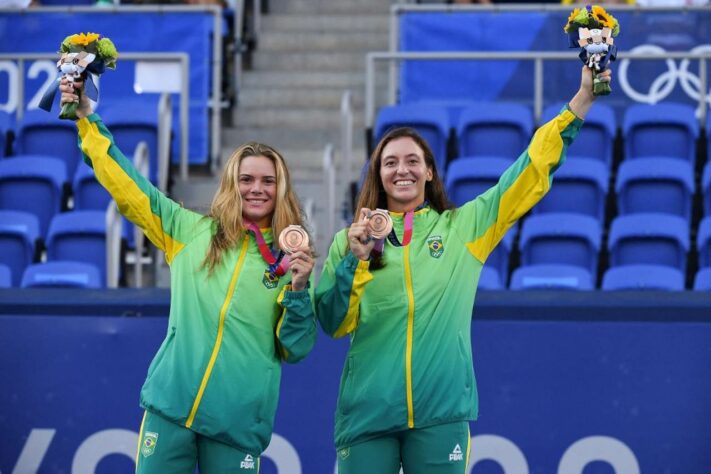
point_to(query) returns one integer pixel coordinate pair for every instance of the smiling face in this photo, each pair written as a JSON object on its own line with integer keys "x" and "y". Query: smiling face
{"x": 258, "y": 188}
{"x": 404, "y": 173}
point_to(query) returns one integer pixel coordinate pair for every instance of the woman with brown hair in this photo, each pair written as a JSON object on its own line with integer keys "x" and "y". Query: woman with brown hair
{"x": 239, "y": 305}
{"x": 405, "y": 297}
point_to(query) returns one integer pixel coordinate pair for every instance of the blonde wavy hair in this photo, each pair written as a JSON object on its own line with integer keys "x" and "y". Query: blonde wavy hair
{"x": 226, "y": 208}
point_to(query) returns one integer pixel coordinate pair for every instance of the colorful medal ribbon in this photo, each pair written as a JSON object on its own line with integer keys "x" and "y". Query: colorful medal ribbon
{"x": 407, "y": 232}
{"x": 276, "y": 265}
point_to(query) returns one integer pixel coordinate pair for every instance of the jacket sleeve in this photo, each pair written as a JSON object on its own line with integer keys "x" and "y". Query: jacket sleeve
{"x": 296, "y": 328}
{"x": 483, "y": 221}
{"x": 340, "y": 289}
{"x": 164, "y": 221}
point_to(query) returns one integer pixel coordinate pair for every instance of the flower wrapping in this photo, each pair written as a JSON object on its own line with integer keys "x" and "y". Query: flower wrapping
{"x": 592, "y": 29}
{"x": 82, "y": 56}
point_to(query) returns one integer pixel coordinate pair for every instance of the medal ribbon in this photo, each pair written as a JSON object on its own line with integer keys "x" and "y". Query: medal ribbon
{"x": 276, "y": 265}
{"x": 407, "y": 232}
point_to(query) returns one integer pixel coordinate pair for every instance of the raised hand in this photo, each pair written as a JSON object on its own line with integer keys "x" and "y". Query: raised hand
{"x": 301, "y": 264}
{"x": 69, "y": 95}
{"x": 359, "y": 240}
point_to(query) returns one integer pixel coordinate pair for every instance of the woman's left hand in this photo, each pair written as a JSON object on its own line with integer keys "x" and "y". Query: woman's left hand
{"x": 301, "y": 265}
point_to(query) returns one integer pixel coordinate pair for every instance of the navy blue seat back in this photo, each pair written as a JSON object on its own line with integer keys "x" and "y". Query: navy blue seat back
{"x": 551, "y": 277}
{"x": 702, "y": 281}
{"x": 18, "y": 233}
{"x": 495, "y": 130}
{"x": 33, "y": 184}
{"x": 668, "y": 130}
{"x": 643, "y": 277}
{"x": 579, "y": 186}
{"x": 62, "y": 274}
{"x": 655, "y": 185}
{"x": 649, "y": 238}
{"x": 489, "y": 279}
{"x": 596, "y": 139}
{"x": 469, "y": 177}
{"x": 703, "y": 243}
{"x": 79, "y": 236}
{"x": 5, "y": 276}
{"x": 42, "y": 133}
{"x": 88, "y": 193}
{"x": 498, "y": 259}
{"x": 564, "y": 238}
{"x": 430, "y": 121}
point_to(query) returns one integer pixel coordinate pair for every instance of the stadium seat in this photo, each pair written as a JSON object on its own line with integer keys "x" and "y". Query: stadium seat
{"x": 706, "y": 189}
{"x": 558, "y": 277}
{"x": 5, "y": 276}
{"x": 33, "y": 184}
{"x": 596, "y": 139}
{"x": 18, "y": 233}
{"x": 562, "y": 238}
{"x": 579, "y": 186}
{"x": 62, "y": 274}
{"x": 79, "y": 236}
{"x": 7, "y": 122}
{"x": 665, "y": 129}
{"x": 88, "y": 193}
{"x": 702, "y": 281}
{"x": 703, "y": 243}
{"x": 494, "y": 129}
{"x": 489, "y": 279}
{"x": 643, "y": 277}
{"x": 649, "y": 238}
{"x": 655, "y": 185}
{"x": 40, "y": 133}
{"x": 469, "y": 177}
{"x": 499, "y": 258}
{"x": 430, "y": 121}
{"x": 132, "y": 124}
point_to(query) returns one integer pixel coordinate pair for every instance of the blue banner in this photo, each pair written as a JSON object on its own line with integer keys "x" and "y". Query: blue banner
{"x": 634, "y": 81}
{"x": 132, "y": 31}
{"x": 577, "y": 396}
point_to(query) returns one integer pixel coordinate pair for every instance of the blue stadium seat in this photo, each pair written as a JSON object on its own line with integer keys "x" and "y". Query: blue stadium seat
{"x": 7, "y": 126}
{"x": 703, "y": 243}
{"x": 489, "y": 279}
{"x": 62, "y": 274}
{"x": 655, "y": 185}
{"x": 430, "y": 121}
{"x": 558, "y": 277}
{"x": 79, "y": 236}
{"x": 18, "y": 233}
{"x": 88, "y": 193}
{"x": 643, "y": 277}
{"x": 469, "y": 177}
{"x": 706, "y": 189}
{"x": 596, "y": 139}
{"x": 41, "y": 133}
{"x": 665, "y": 129}
{"x": 133, "y": 123}
{"x": 579, "y": 186}
{"x": 33, "y": 184}
{"x": 564, "y": 238}
{"x": 494, "y": 129}
{"x": 5, "y": 276}
{"x": 649, "y": 238}
{"x": 702, "y": 281}
{"x": 499, "y": 258}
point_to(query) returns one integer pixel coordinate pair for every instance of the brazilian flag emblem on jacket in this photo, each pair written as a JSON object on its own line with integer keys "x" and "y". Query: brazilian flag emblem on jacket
{"x": 270, "y": 280}
{"x": 434, "y": 243}
{"x": 149, "y": 443}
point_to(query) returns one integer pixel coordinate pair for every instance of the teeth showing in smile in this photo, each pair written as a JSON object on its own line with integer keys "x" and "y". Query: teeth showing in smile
{"x": 404, "y": 183}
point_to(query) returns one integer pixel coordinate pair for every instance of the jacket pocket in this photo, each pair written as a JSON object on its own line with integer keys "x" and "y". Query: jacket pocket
{"x": 466, "y": 361}
{"x": 164, "y": 348}
{"x": 345, "y": 397}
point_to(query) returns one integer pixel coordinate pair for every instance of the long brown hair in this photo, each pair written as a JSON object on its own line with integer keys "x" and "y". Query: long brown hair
{"x": 373, "y": 196}
{"x": 226, "y": 208}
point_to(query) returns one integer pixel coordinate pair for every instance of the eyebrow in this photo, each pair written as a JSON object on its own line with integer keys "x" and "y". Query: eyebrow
{"x": 247, "y": 175}
{"x": 410, "y": 155}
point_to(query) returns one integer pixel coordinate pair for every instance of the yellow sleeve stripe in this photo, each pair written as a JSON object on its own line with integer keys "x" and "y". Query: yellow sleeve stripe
{"x": 282, "y": 351}
{"x": 132, "y": 202}
{"x": 360, "y": 278}
{"x": 529, "y": 187}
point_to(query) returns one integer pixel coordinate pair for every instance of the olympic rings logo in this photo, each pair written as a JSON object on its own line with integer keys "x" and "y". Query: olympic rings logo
{"x": 663, "y": 85}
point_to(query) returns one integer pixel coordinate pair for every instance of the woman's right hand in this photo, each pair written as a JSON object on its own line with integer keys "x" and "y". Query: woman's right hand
{"x": 359, "y": 239}
{"x": 69, "y": 95}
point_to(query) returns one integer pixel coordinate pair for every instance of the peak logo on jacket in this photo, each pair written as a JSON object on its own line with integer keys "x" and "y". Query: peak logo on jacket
{"x": 436, "y": 246}
{"x": 456, "y": 454}
{"x": 248, "y": 462}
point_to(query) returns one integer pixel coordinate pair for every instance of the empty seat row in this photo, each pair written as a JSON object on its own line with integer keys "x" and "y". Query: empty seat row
{"x": 63, "y": 274}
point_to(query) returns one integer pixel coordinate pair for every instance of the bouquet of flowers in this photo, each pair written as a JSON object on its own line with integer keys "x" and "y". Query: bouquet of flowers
{"x": 83, "y": 56}
{"x": 592, "y": 29}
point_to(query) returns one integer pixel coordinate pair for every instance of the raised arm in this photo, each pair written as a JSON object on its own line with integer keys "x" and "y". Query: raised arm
{"x": 482, "y": 223}
{"x": 339, "y": 292}
{"x": 164, "y": 221}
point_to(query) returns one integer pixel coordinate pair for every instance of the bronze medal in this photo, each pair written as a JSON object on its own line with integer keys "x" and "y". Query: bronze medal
{"x": 380, "y": 224}
{"x": 293, "y": 238}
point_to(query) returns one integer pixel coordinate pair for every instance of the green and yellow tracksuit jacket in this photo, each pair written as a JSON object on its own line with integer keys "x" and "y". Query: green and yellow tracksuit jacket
{"x": 410, "y": 359}
{"x": 218, "y": 370}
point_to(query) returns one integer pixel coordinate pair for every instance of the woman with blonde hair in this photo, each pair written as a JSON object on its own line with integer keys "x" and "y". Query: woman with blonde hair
{"x": 239, "y": 305}
{"x": 405, "y": 297}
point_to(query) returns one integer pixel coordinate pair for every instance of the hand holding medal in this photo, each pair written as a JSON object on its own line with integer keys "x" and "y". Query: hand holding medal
{"x": 360, "y": 239}
{"x": 294, "y": 241}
